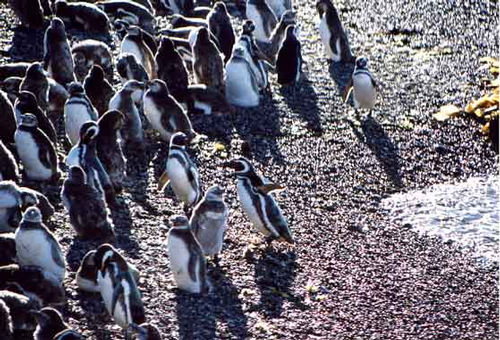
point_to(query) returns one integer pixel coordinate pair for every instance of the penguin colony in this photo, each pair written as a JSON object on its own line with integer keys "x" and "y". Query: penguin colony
{"x": 154, "y": 68}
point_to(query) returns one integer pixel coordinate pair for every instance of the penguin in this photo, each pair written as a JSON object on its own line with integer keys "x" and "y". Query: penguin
{"x": 7, "y": 249}
{"x": 36, "y": 152}
{"x": 117, "y": 9}
{"x": 132, "y": 132}
{"x": 86, "y": 16}
{"x": 187, "y": 260}
{"x": 265, "y": 20}
{"x": 118, "y": 287}
{"x": 219, "y": 25}
{"x": 260, "y": 207}
{"x": 289, "y": 62}
{"x": 17, "y": 69}
{"x": 88, "y": 53}
{"x": 68, "y": 334}
{"x": 208, "y": 64}
{"x": 363, "y": 86}
{"x": 206, "y": 100}
{"x": 50, "y": 322}
{"x": 242, "y": 88}
{"x": 146, "y": 331}
{"x": 179, "y": 20}
{"x": 209, "y": 221}
{"x": 87, "y": 209}
{"x": 122, "y": 27}
{"x": 8, "y": 118}
{"x": 10, "y": 87}
{"x": 171, "y": 69}
{"x": 6, "y": 326}
{"x": 332, "y": 33}
{"x": 279, "y": 6}
{"x": 181, "y": 172}
{"x": 30, "y": 12}
{"x": 35, "y": 81}
{"x": 129, "y": 68}
{"x": 20, "y": 307}
{"x": 109, "y": 149}
{"x": 12, "y": 200}
{"x": 8, "y": 165}
{"x": 57, "y": 58}
{"x": 133, "y": 43}
{"x": 37, "y": 246}
{"x": 77, "y": 110}
{"x": 164, "y": 113}
{"x": 84, "y": 154}
{"x": 57, "y": 97}
{"x": 98, "y": 89}
{"x": 33, "y": 282}
{"x": 31, "y": 197}
{"x": 278, "y": 35}
{"x": 26, "y": 103}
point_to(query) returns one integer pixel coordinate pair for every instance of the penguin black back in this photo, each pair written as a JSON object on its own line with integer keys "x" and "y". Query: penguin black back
{"x": 27, "y": 103}
{"x": 219, "y": 25}
{"x": 289, "y": 62}
{"x": 171, "y": 69}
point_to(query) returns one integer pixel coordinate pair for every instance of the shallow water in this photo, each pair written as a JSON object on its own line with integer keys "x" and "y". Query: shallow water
{"x": 464, "y": 212}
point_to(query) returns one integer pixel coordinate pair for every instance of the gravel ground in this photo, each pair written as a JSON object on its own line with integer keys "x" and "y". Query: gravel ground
{"x": 352, "y": 274}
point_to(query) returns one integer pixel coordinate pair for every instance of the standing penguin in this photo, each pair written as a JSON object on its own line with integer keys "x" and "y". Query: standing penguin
{"x": 129, "y": 68}
{"x": 265, "y": 20}
{"x": 8, "y": 119}
{"x": 187, "y": 261}
{"x": 57, "y": 58}
{"x": 146, "y": 331}
{"x": 37, "y": 246}
{"x": 181, "y": 172}
{"x": 35, "y": 81}
{"x": 87, "y": 209}
{"x": 209, "y": 221}
{"x": 36, "y": 151}
{"x": 133, "y": 43}
{"x": 219, "y": 25}
{"x": 289, "y": 62}
{"x": 171, "y": 69}
{"x": 77, "y": 110}
{"x": 8, "y": 165}
{"x": 88, "y": 53}
{"x": 279, "y": 35}
{"x": 109, "y": 150}
{"x": 208, "y": 65}
{"x": 242, "y": 88}
{"x": 123, "y": 101}
{"x": 26, "y": 103}
{"x": 332, "y": 33}
{"x": 50, "y": 323}
{"x": 98, "y": 89}
{"x": 260, "y": 207}
{"x": 164, "y": 113}
{"x": 363, "y": 85}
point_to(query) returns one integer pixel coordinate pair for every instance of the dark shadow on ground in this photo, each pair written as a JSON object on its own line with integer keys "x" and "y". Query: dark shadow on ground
{"x": 341, "y": 73}
{"x": 385, "y": 150}
{"x": 123, "y": 226}
{"x": 195, "y": 316}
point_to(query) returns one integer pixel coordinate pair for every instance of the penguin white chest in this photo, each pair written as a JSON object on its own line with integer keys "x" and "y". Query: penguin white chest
{"x": 28, "y": 152}
{"x": 241, "y": 89}
{"x": 75, "y": 115}
{"x": 250, "y": 209}
{"x": 178, "y": 255}
{"x": 122, "y": 314}
{"x": 105, "y": 284}
{"x": 326, "y": 34}
{"x": 154, "y": 117}
{"x": 182, "y": 186}
{"x": 131, "y": 47}
{"x": 254, "y": 14}
{"x": 364, "y": 92}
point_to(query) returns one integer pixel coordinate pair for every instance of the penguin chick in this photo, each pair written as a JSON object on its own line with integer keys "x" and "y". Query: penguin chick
{"x": 219, "y": 25}
{"x": 31, "y": 197}
{"x": 187, "y": 261}
{"x": 37, "y": 246}
{"x": 121, "y": 9}
{"x": 208, "y": 65}
{"x": 98, "y": 89}
{"x": 289, "y": 62}
{"x": 279, "y": 34}
{"x": 88, "y": 53}
{"x": 109, "y": 149}
{"x": 35, "y": 150}
{"x": 36, "y": 82}
{"x": 332, "y": 33}
{"x": 20, "y": 306}
{"x": 118, "y": 287}
{"x": 171, "y": 69}
{"x": 57, "y": 58}
{"x": 265, "y": 20}
{"x": 11, "y": 203}
{"x": 26, "y": 103}
{"x": 206, "y": 100}
{"x": 123, "y": 101}
{"x": 50, "y": 322}
{"x": 363, "y": 86}
{"x": 10, "y": 86}
{"x": 260, "y": 207}
{"x": 57, "y": 97}
{"x": 30, "y": 12}
{"x": 87, "y": 210}
{"x": 242, "y": 88}
{"x": 87, "y": 16}
{"x": 181, "y": 172}
{"x": 129, "y": 68}
{"x": 164, "y": 113}
{"x": 146, "y": 331}
{"x": 209, "y": 221}
{"x": 6, "y": 326}
{"x": 133, "y": 43}
{"x": 8, "y": 165}
{"x": 122, "y": 27}
{"x": 16, "y": 69}
{"x": 77, "y": 110}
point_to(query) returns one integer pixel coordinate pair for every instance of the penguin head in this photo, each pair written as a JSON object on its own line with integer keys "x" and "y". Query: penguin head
{"x": 96, "y": 73}
{"x": 323, "y": 6}
{"x": 134, "y": 31}
{"x": 145, "y": 331}
{"x": 103, "y": 254}
{"x": 179, "y": 139}
{"x": 58, "y": 25}
{"x": 11, "y": 85}
{"x": 290, "y": 32}
{"x": 60, "y": 7}
{"x": 35, "y": 71}
{"x": 288, "y": 17}
{"x": 75, "y": 89}
{"x": 179, "y": 221}
{"x": 28, "y": 99}
{"x": 133, "y": 85}
{"x": 248, "y": 27}
{"x": 28, "y": 199}
{"x": 202, "y": 36}
{"x": 214, "y": 193}
{"x": 158, "y": 86}
{"x": 220, "y": 7}
{"x": 111, "y": 121}
{"x": 32, "y": 214}
{"x": 361, "y": 62}
{"x": 49, "y": 318}
{"x": 29, "y": 120}
{"x": 240, "y": 165}
{"x": 166, "y": 45}
{"x": 77, "y": 175}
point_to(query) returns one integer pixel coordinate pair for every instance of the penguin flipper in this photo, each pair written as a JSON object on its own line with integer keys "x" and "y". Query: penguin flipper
{"x": 270, "y": 187}
{"x": 117, "y": 293}
{"x": 347, "y": 90}
{"x": 56, "y": 253}
{"x": 163, "y": 181}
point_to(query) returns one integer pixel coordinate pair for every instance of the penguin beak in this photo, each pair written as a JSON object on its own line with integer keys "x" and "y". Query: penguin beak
{"x": 163, "y": 181}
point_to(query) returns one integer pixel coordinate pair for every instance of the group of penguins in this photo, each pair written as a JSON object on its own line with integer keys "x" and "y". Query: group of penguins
{"x": 76, "y": 82}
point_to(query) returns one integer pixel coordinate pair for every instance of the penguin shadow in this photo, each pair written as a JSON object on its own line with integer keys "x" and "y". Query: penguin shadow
{"x": 341, "y": 74}
{"x": 385, "y": 150}
{"x": 27, "y": 44}
{"x": 303, "y": 101}
{"x": 213, "y": 126}
{"x": 275, "y": 271}
{"x": 123, "y": 222}
{"x": 195, "y": 316}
